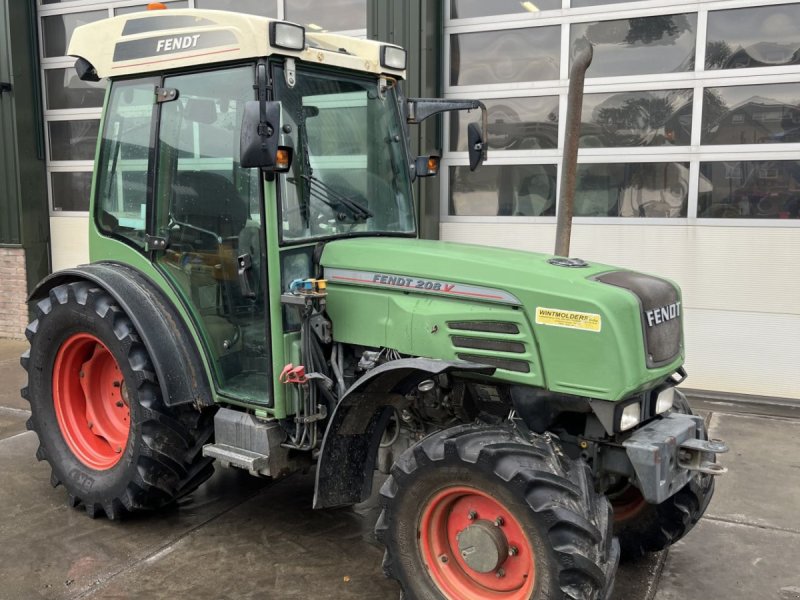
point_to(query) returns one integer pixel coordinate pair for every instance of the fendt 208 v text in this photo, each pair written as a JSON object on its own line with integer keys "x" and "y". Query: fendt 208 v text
{"x": 258, "y": 295}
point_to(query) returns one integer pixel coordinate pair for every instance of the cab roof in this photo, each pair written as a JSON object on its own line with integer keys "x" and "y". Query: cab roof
{"x": 149, "y": 41}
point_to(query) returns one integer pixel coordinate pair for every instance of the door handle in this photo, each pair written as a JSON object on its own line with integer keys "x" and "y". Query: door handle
{"x": 5, "y": 86}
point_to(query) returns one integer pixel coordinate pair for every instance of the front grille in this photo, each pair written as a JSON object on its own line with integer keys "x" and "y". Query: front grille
{"x": 509, "y": 364}
{"x": 496, "y": 343}
{"x": 485, "y": 326}
{"x": 461, "y": 341}
{"x": 661, "y": 313}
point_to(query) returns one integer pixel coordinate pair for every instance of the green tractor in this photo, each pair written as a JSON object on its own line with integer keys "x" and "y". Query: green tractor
{"x": 258, "y": 295}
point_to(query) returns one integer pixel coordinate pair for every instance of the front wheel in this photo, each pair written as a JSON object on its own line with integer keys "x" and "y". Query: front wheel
{"x": 97, "y": 408}
{"x": 482, "y": 513}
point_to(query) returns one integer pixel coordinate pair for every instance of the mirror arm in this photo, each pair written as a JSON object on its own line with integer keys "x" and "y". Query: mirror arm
{"x": 419, "y": 109}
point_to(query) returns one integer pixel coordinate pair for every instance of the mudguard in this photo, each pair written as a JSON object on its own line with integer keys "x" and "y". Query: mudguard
{"x": 350, "y": 446}
{"x": 179, "y": 367}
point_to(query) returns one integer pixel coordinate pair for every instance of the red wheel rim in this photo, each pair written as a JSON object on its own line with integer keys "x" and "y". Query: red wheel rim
{"x": 446, "y": 519}
{"x": 627, "y": 504}
{"x": 91, "y": 401}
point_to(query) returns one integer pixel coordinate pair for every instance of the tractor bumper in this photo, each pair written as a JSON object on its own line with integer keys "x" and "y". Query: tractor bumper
{"x": 668, "y": 452}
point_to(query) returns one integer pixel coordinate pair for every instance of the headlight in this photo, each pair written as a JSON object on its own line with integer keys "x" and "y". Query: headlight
{"x": 631, "y": 416}
{"x": 287, "y": 35}
{"x": 665, "y": 400}
{"x": 393, "y": 57}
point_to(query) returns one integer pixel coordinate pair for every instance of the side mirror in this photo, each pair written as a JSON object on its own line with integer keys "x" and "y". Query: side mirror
{"x": 426, "y": 166}
{"x": 475, "y": 145}
{"x": 258, "y": 145}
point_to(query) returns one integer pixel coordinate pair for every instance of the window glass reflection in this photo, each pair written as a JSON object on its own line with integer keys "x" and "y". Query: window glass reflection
{"x": 660, "y": 44}
{"x": 57, "y": 30}
{"x": 73, "y": 140}
{"x": 261, "y": 8}
{"x": 332, "y": 15}
{"x": 583, "y": 3}
{"x": 132, "y": 9}
{"x": 751, "y": 114}
{"x": 512, "y": 55}
{"x": 632, "y": 190}
{"x": 503, "y": 191}
{"x": 66, "y": 90}
{"x": 753, "y": 37}
{"x": 467, "y": 9}
{"x": 661, "y": 118}
{"x": 749, "y": 190}
{"x": 514, "y": 124}
{"x": 71, "y": 191}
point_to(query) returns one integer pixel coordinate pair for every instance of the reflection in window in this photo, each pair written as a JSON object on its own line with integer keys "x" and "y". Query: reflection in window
{"x": 660, "y": 44}
{"x": 632, "y": 190}
{"x": 583, "y": 3}
{"x": 73, "y": 140}
{"x": 662, "y": 118}
{"x": 468, "y": 9}
{"x": 132, "y": 9}
{"x": 753, "y": 37}
{"x": 751, "y": 114}
{"x": 503, "y": 191}
{"x": 71, "y": 191}
{"x": 514, "y": 124}
{"x": 57, "y": 30}
{"x": 261, "y": 8}
{"x": 506, "y": 56}
{"x": 66, "y": 90}
{"x": 749, "y": 190}
{"x": 332, "y": 15}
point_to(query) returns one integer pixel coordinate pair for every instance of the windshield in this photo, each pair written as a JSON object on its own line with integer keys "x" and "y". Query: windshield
{"x": 350, "y": 172}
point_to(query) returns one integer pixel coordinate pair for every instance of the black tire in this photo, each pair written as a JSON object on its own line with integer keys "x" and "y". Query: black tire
{"x": 550, "y": 496}
{"x": 163, "y": 458}
{"x": 654, "y": 527}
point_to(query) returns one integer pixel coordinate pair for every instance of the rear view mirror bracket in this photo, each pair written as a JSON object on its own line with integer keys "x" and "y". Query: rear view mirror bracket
{"x": 419, "y": 109}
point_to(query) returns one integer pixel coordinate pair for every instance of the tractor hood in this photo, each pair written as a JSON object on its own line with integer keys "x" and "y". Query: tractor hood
{"x": 592, "y": 330}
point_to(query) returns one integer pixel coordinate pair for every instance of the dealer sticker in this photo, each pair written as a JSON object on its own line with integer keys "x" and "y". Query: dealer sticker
{"x": 568, "y": 318}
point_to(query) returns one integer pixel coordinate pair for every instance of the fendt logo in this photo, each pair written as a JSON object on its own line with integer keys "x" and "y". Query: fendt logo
{"x": 177, "y": 43}
{"x": 666, "y": 313}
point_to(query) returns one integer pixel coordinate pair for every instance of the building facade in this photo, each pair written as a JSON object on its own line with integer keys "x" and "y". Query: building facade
{"x": 688, "y": 162}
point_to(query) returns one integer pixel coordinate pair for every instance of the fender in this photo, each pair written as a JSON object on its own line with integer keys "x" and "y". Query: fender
{"x": 350, "y": 446}
{"x": 179, "y": 367}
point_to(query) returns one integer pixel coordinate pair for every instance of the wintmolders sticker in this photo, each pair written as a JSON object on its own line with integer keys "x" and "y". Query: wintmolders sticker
{"x": 417, "y": 284}
{"x": 568, "y": 318}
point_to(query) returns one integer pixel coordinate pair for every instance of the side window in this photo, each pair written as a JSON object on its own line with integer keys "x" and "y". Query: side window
{"x": 121, "y": 187}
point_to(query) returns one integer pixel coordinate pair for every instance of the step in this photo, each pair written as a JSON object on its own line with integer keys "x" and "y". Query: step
{"x": 230, "y": 456}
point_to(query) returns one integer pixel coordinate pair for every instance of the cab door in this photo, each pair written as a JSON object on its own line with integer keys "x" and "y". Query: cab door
{"x": 209, "y": 220}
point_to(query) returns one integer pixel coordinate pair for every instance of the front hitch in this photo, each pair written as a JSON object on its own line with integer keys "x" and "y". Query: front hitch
{"x": 666, "y": 453}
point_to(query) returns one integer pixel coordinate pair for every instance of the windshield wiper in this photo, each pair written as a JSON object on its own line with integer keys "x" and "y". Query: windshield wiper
{"x": 321, "y": 191}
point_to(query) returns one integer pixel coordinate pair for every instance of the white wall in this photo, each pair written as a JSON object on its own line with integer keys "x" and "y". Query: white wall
{"x": 69, "y": 237}
{"x": 741, "y": 290}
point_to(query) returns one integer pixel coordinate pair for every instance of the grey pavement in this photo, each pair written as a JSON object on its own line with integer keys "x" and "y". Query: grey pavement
{"x": 240, "y": 537}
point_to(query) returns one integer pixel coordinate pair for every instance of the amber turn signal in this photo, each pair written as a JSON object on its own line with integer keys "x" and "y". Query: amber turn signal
{"x": 283, "y": 159}
{"x": 433, "y": 164}
{"x": 156, "y": 6}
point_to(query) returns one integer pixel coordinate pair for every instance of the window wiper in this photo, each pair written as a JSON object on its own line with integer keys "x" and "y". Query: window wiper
{"x": 319, "y": 190}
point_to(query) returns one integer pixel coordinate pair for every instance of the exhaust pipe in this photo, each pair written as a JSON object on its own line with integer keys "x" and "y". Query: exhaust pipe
{"x": 582, "y": 53}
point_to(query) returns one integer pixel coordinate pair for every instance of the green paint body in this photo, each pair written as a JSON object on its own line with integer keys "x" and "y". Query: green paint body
{"x": 607, "y": 365}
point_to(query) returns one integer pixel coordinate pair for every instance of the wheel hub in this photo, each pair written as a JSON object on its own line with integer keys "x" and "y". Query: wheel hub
{"x": 91, "y": 401}
{"x": 475, "y": 547}
{"x": 483, "y": 546}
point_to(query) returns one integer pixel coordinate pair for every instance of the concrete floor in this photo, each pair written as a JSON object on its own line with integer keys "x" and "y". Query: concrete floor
{"x": 240, "y": 537}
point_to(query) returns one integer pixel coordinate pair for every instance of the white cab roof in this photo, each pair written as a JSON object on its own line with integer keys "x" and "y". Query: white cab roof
{"x": 159, "y": 40}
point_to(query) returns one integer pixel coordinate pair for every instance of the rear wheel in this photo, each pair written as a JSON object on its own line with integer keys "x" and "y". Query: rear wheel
{"x": 482, "y": 513}
{"x": 96, "y": 406}
{"x": 642, "y": 527}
